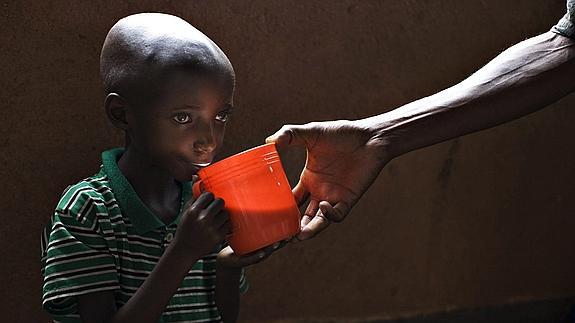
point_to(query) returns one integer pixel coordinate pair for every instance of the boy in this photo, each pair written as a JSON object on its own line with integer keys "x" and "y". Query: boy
{"x": 123, "y": 245}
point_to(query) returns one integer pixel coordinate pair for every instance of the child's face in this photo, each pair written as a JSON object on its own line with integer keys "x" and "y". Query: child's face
{"x": 184, "y": 126}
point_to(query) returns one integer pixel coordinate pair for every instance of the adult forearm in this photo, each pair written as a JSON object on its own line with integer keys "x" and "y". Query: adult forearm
{"x": 521, "y": 80}
{"x": 228, "y": 292}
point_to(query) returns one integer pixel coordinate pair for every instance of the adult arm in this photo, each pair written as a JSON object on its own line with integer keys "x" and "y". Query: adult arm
{"x": 344, "y": 157}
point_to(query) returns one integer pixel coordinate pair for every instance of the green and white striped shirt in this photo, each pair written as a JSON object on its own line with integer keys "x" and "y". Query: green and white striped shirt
{"x": 103, "y": 238}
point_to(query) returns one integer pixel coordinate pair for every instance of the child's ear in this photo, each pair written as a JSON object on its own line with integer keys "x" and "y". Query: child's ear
{"x": 116, "y": 109}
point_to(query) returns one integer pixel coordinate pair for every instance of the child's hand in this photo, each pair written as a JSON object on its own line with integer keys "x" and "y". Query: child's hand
{"x": 203, "y": 225}
{"x": 228, "y": 258}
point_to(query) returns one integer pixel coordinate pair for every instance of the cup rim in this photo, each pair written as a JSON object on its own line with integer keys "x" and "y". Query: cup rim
{"x": 223, "y": 162}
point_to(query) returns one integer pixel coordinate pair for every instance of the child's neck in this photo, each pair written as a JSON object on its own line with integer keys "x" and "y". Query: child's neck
{"x": 160, "y": 192}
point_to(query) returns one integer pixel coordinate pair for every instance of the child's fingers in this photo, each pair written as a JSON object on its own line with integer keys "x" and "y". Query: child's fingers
{"x": 201, "y": 203}
{"x": 233, "y": 260}
{"x": 282, "y": 244}
{"x": 246, "y": 260}
{"x": 220, "y": 218}
{"x": 225, "y": 228}
{"x": 252, "y": 259}
{"x": 215, "y": 207}
{"x": 335, "y": 213}
{"x": 317, "y": 224}
{"x": 259, "y": 255}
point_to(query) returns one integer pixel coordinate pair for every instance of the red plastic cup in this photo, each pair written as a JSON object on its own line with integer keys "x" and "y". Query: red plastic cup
{"x": 257, "y": 196}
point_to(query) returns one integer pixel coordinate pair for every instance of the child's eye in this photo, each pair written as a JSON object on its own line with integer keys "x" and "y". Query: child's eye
{"x": 182, "y": 118}
{"x": 223, "y": 116}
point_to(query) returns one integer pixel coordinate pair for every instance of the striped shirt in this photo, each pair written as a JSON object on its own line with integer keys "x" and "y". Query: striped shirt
{"x": 103, "y": 238}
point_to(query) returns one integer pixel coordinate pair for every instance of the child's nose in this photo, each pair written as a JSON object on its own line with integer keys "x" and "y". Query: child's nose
{"x": 205, "y": 140}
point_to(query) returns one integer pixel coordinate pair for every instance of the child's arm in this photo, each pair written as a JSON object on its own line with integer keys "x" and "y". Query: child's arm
{"x": 150, "y": 300}
{"x": 228, "y": 272}
{"x": 228, "y": 292}
{"x": 203, "y": 226}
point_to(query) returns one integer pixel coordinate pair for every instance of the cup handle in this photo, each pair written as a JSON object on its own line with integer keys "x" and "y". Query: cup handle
{"x": 197, "y": 188}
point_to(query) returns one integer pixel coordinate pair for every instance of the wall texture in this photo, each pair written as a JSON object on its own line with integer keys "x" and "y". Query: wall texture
{"x": 484, "y": 219}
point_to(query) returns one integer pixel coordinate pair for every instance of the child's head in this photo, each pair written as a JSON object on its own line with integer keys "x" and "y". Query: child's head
{"x": 170, "y": 88}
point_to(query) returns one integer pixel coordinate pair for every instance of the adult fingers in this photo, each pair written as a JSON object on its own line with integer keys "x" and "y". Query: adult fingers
{"x": 290, "y": 135}
{"x": 300, "y": 193}
{"x": 317, "y": 224}
{"x": 305, "y": 219}
{"x": 309, "y": 213}
{"x": 312, "y": 208}
{"x": 335, "y": 213}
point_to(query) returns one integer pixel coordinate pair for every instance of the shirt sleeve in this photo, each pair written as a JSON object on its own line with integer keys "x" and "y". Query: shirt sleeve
{"x": 76, "y": 257}
{"x": 566, "y": 26}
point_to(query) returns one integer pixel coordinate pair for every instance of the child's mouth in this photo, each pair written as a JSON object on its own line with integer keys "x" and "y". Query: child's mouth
{"x": 201, "y": 165}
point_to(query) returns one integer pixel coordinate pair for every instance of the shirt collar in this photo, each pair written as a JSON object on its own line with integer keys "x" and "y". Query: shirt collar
{"x": 140, "y": 215}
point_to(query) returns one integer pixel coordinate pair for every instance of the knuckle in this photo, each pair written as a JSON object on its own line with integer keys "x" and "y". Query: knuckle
{"x": 201, "y": 216}
{"x": 189, "y": 204}
{"x": 288, "y": 129}
{"x": 194, "y": 209}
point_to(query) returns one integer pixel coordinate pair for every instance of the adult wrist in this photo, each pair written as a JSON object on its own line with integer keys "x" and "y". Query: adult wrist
{"x": 383, "y": 133}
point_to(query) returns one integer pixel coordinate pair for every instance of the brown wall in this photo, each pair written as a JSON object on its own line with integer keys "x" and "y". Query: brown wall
{"x": 484, "y": 219}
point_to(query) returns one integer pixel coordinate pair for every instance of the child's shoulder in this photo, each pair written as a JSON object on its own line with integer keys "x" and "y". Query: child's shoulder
{"x": 85, "y": 199}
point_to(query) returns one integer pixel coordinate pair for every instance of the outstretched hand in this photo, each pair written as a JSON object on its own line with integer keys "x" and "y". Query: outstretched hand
{"x": 343, "y": 159}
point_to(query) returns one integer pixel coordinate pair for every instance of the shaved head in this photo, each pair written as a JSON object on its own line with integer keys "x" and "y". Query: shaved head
{"x": 141, "y": 49}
